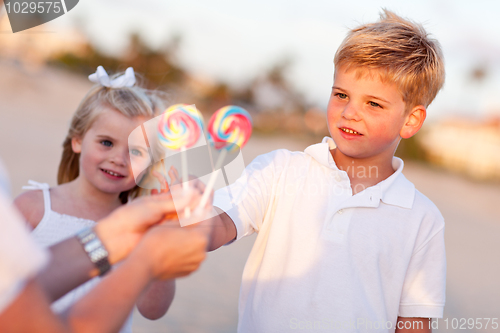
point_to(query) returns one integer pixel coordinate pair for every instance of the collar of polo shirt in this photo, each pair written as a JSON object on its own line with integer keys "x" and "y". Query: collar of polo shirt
{"x": 395, "y": 190}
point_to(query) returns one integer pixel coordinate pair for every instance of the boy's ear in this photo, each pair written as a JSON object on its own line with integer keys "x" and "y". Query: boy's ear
{"x": 414, "y": 120}
{"x": 76, "y": 145}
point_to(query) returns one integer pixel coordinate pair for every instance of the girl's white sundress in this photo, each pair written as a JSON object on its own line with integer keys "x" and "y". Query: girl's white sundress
{"x": 55, "y": 227}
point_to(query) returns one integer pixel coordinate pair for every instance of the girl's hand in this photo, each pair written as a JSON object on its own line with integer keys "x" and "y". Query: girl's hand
{"x": 177, "y": 181}
{"x": 176, "y": 185}
{"x": 164, "y": 187}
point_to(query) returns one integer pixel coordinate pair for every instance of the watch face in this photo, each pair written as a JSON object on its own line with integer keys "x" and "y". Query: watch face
{"x": 94, "y": 248}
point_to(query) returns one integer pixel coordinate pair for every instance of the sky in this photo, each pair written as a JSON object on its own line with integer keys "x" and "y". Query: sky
{"x": 233, "y": 40}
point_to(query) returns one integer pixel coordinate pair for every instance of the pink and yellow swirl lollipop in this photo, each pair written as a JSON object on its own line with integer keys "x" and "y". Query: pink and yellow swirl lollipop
{"x": 229, "y": 126}
{"x": 179, "y": 127}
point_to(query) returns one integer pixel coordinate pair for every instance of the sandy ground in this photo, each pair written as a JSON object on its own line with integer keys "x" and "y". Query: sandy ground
{"x": 35, "y": 109}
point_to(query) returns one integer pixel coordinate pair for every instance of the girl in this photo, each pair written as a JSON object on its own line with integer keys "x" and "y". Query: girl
{"x": 95, "y": 176}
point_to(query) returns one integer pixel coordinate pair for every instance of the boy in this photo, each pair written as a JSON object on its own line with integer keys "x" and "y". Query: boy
{"x": 345, "y": 243}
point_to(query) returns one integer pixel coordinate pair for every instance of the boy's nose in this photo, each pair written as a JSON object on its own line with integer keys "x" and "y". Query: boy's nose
{"x": 351, "y": 112}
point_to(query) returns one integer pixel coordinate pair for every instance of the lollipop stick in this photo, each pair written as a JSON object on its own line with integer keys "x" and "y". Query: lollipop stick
{"x": 187, "y": 210}
{"x": 209, "y": 151}
{"x": 184, "y": 168}
{"x": 227, "y": 184}
{"x": 164, "y": 175}
{"x": 213, "y": 178}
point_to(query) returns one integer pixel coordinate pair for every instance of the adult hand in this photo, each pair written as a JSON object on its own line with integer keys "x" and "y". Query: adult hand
{"x": 121, "y": 231}
{"x": 172, "y": 251}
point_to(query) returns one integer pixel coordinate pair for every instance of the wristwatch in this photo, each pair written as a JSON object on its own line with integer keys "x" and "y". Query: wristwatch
{"x": 95, "y": 250}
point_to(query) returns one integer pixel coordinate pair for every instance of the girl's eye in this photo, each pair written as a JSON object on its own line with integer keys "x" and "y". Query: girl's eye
{"x": 135, "y": 152}
{"x": 341, "y": 95}
{"x": 375, "y": 105}
{"x": 107, "y": 143}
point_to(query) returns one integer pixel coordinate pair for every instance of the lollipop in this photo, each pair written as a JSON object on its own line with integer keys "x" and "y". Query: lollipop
{"x": 229, "y": 127}
{"x": 179, "y": 127}
{"x": 190, "y": 110}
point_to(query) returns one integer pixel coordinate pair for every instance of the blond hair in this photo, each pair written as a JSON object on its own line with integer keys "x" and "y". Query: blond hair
{"x": 129, "y": 101}
{"x": 402, "y": 51}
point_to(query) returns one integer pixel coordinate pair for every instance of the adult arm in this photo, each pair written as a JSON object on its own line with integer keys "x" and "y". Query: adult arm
{"x": 164, "y": 253}
{"x": 156, "y": 299}
{"x": 30, "y": 312}
{"x": 120, "y": 232}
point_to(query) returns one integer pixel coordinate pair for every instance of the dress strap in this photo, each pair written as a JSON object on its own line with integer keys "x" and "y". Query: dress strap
{"x": 46, "y": 194}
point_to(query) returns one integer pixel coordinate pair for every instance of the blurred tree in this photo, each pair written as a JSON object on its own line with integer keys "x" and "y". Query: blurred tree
{"x": 285, "y": 108}
{"x": 156, "y": 66}
{"x": 479, "y": 73}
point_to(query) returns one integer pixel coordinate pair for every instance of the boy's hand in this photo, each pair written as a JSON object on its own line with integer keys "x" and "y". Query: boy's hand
{"x": 413, "y": 325}
{"x": 122, "y": 230}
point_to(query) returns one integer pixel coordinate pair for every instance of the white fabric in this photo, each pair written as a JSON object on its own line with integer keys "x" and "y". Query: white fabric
{"x": 54, "y": 228}
{"x": 125, "y": 80}
{"x": 326, "y": 259}
{"x": 20, "y": 257}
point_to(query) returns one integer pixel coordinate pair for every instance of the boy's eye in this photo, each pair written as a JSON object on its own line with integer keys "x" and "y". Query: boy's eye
{"x": 107, "y": 143}
{"x": 135, "y": 152}
{"x": 375, "y": 105}
{"x": 341, "y": 95}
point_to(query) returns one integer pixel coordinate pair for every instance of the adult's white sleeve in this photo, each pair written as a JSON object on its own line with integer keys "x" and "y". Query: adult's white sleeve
{"x": 20, "y": 257}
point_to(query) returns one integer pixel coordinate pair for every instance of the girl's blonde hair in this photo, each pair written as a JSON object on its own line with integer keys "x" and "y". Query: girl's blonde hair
{"x": 129, "y": 101}
{"x": 404, "y": 53}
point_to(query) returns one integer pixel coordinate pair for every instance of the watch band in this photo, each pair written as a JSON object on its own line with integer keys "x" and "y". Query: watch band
{"x": 95, "y": 250}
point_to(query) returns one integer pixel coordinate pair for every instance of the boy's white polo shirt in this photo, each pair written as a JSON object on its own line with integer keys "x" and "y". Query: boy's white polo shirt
{"x": 327, "y": 260}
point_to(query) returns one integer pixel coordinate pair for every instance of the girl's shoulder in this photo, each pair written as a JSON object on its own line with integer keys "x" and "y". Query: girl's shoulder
{"x": 31, "y": 206}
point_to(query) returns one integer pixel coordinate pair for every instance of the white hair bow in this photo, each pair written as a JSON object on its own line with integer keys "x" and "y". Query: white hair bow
{"x": 125, "y": 80}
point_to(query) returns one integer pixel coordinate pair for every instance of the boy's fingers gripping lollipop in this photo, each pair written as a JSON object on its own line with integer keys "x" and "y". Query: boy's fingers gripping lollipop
{"x": 229, "y": 128}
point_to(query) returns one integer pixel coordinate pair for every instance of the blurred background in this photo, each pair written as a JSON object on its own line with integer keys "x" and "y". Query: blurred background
{"x": 274, "y": 58}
